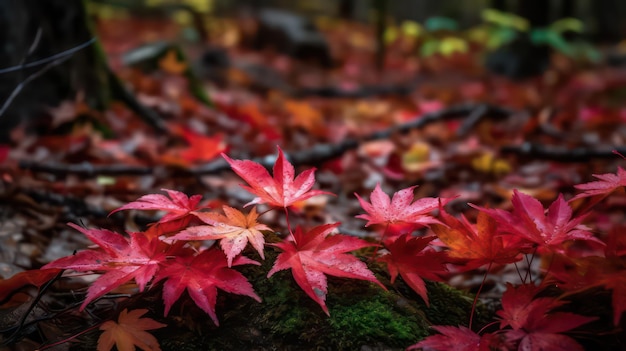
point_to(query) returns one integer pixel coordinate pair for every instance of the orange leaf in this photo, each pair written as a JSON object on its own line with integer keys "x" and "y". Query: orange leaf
{"x": 478, "y": 244}
{"x": 129, "y": 331}
{"x": 305, "y": 116}
{"x": 170, "y": 64}
{"x": 235, "y": 230}
{"x": 201, "y": 148}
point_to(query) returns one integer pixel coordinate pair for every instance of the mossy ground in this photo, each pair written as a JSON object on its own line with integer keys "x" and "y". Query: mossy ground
{"x": 362, "y": 316}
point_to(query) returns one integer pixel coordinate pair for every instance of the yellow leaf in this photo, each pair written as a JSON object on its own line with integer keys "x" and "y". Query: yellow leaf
{"x": 451, "y": 45}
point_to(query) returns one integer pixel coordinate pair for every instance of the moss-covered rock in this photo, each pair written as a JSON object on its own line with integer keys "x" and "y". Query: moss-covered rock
{"x": 362, "y": 316}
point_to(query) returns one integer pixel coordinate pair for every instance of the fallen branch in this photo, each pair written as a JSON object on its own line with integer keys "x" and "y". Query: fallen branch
{"x": 84, "y": 169}
{"x": 315, "y": 155}
{"x": 562, "y": 154}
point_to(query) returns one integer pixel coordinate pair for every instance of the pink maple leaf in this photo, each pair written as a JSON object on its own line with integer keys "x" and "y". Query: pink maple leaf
{"x": 177, "y": 205}
{"x": 606, "y": 184}
{"x": 315, "y": 253}
{"x": 282, "y": 190}
{"x": 383, "y": 210}
{"x": 122, "y": 259}
{"x": 548, "y": 229}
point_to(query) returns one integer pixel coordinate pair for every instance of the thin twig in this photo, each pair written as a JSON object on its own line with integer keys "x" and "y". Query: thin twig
{"x": 34, "y": 303}
{"x": 62, "y": 54}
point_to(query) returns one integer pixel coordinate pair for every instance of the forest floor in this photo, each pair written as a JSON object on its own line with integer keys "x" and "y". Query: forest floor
{"x": 442, "y": 122}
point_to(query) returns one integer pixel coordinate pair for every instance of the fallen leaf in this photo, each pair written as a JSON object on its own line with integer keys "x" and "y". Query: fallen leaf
{"x": 234, "y": 230}
{"x": 282, "y": 190}
{"x": 201, "y": 275}
{"x": 129, "y": 331}
{"x": 170, "y": 63}
{"x": 121, "y": 258}
{"x": 314, "y": 253}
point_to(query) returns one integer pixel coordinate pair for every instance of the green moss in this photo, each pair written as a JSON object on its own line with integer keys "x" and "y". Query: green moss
{"x": 378, "y": 317}
{"x": 449, "y": 306}
{"x": 361, "y": 314}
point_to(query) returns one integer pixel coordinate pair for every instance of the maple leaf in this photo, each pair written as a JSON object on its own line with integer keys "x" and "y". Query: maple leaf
{"x": 399, "y": 209}
{"x": 201, "y": 148}
{"x": 616, "y": 281}
{"x": 170, "y": 63}
{"x": 606, "y": 184}
{"x": 36, "y": 277}
{"x": 548, "y": 229}
{"x": 201, "y": 275}
{"x": 121, "y": 258}
{"x": 413, "y": 260}
{"x": 453, "y": 339}
{"x": 129, "y": 331}
{"x": 478, "y": 244}
{"x": 235, "y": 230}
{"x": 312, "y": 254}
{"x": 532, "y": 322}
{"x": 305, "y": 116}
{"x": 583, "y": 273}
{"x": 177, "y": 205}
{"x": 282, "y": 190}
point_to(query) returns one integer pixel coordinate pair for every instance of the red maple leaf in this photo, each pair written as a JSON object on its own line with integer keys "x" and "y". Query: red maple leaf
{"x": 179, "y": 210}
{"x": 547, "y": 229}
{"x": 201, "y": 275}
{"x": 282, "y": 190}
{"x": 201, "y": 148}
{"x": 582, "y": 273}
{"x": 399, "y": 209}
{"x": 453, "y": 339}
{"x": 478, "y": 244}
{"x": 606, "y": 184}
{"x": 177, "y": 205}
{"x": 412, "y": 258}
{"x": 533, "y": 323}
{"x": 121, "y": 258}
{"x": 234, "y": 229}
{"x": 579, "y": 274}
{"x": 36, "y": 277}
{"x": 316, "y": 253}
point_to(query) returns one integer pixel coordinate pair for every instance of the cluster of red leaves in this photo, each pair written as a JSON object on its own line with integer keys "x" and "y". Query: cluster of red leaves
{"x": 528, "y": 321}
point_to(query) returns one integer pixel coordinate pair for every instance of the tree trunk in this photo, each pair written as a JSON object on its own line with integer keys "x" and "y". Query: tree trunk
{"x": 33, "y": 30}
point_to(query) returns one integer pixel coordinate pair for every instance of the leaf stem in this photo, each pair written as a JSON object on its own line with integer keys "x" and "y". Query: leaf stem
{"x": 519, "y": 274}
{"x": 529, "y": 263}
{"x": 380, "y": 242}
{"x": 289, "y": 226}
{"x": 487, "y": 326}
{"x": 480, "y": 288}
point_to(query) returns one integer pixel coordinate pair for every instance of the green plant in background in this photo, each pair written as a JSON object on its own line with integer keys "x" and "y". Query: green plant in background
{"x": 554, "y": 37}
{"x": 437, "y": 36}
{"x": 499, "y": 28}
{"x": 502, "y": 28}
